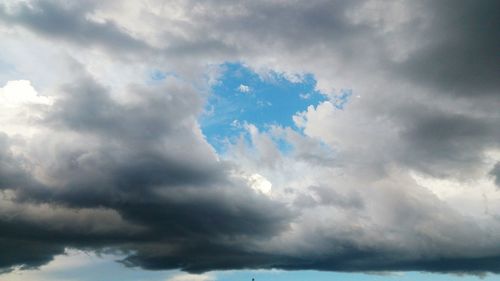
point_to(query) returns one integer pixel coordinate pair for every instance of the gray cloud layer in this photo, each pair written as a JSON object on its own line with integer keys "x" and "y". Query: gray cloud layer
{"x": 128, "y": 162}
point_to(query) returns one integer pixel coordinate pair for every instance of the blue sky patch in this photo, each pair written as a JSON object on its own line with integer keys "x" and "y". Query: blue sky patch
{"x": 242, "y": 96}
{"x": 160, "y": 75}
{"x": 341, "y": 99}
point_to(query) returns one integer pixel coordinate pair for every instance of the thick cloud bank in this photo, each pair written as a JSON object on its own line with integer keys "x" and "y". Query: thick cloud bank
{"x": 96, "y": 155}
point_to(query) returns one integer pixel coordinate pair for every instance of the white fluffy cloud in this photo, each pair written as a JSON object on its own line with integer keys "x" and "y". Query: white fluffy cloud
{"x": 243, "y": 88}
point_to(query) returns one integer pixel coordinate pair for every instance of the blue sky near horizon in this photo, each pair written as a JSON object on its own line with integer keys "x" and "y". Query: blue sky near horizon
{"x": 103, "y": 268}
{"x": 243, "y": 96}
{"x": 306, "y": 275}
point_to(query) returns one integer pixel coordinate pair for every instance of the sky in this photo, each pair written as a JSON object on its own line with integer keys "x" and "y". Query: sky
{"x": 230, "y": 140}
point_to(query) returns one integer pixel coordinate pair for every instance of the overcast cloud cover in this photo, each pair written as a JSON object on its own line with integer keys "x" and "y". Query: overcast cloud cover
{"x": 96, "y": 155}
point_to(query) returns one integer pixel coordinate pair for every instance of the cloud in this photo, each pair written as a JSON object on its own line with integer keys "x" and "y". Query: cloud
{"x": 100, "y": 158}
{"x": 495, "y": 172}
{"x": 191, "y": 277}
{"x": 462, "y": 62}
{"x": 19, "y": 92}
{"x": 69, "y": 23}
{"x": 243, "y": 88}
{"x": 120, "y": 174}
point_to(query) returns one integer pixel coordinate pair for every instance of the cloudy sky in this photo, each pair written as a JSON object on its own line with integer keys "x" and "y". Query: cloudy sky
{"x": 225, "y": 140}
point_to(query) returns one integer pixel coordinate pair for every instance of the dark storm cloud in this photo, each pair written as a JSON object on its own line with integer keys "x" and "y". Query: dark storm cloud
{"x": 26, "y": 253}
{"x": 163, "y": 183}
{"x": 442, "y": 143}
{"x": 131, "y": 155}
{"x": 125, "y": 150}
{"x": 495, "y": 172}
{"x": 455, "y": 53}
{"x": 202, "y": 256}
{"x": 455, "y": 49}
{"x": 69, "y": 23}
{"x": 11, "y": 174}
{"x": 356, "y": 260}
{"x": 17, "y": 251}
{"x": 198, "y": 258}
{"x": 300, "y": 24}
{"x": 459, "y": 55}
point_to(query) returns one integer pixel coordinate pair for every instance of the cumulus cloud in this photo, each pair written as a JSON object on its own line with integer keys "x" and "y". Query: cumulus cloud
{"x": 99, "y": 158}
{"x": 243, "y": 88}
